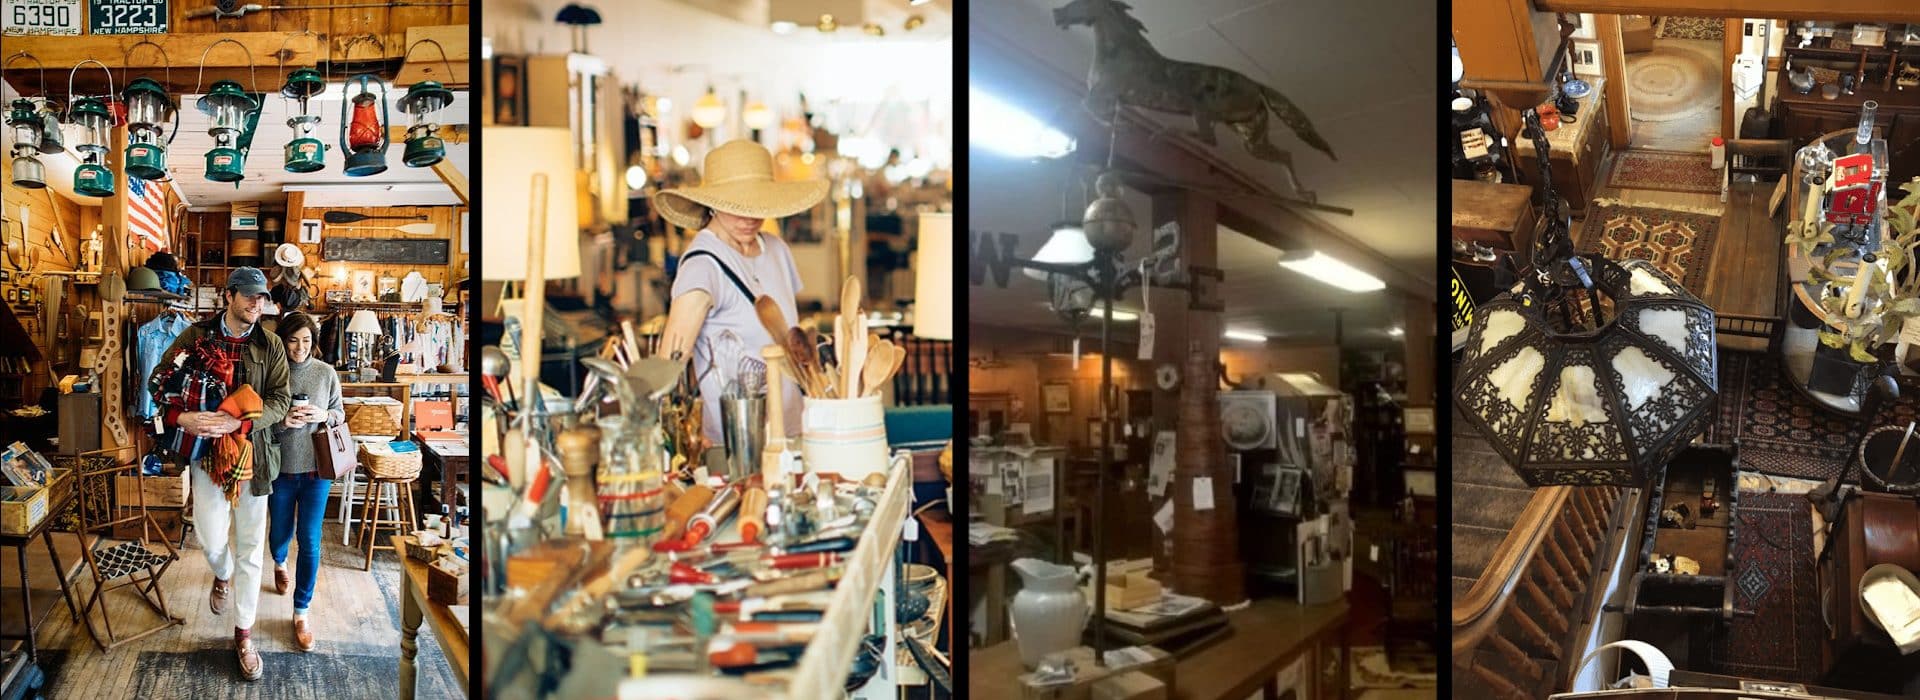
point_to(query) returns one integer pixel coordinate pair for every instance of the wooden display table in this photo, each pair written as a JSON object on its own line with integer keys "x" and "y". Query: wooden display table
{"x": 1267, "y": 638}
{"x": 414, "y": 607}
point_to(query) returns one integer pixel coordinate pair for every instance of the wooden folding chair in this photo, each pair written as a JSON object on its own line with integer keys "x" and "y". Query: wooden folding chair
{"x": 122, "y": 565}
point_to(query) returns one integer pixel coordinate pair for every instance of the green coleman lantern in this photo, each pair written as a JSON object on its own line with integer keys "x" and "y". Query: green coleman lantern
{"x": 423, "y": 99}
{"x": 29, "y": 131}
{"x": 148, "y": 110}
{"x": 234, "y": 114}
{"x": 364, "y": 136}
{"x": 95, "y": 135}
{"x": 305, "y": 153}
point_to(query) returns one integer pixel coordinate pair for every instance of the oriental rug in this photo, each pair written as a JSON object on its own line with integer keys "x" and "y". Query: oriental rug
{"x": 1666, "y": 171}
{"x": 1680, "y": 243}
{"x": 1773, "y": 577}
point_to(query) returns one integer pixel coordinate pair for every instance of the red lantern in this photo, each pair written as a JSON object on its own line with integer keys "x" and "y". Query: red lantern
{"x": 365, "y": 129}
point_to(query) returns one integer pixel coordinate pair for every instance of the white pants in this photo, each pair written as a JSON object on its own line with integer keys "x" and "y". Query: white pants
{"x": 246, "y": 520}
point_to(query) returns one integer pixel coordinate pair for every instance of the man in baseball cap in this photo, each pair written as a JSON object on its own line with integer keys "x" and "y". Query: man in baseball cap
{"x": 211, "y": 361}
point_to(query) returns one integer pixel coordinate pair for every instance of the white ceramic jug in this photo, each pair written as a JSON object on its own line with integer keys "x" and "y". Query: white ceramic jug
{"x": 1049, "y": 612}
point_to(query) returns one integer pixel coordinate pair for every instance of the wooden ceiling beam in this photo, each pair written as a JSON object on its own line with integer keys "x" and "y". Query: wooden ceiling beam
{"x": 1822, "y": 10}
{"x": 268, "y": 54}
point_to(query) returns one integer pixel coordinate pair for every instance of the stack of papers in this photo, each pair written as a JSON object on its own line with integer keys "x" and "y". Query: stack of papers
{"x": 1898, "y": 607}
{"x": 983, "y": 533}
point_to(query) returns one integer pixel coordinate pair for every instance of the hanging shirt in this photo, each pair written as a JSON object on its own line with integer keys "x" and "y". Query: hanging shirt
{"x": 771, "y": 273}
{"x": 150, "y": 341}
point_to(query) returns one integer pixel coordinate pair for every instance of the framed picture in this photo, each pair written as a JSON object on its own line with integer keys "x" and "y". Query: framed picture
{"x": 509, "y": 90}
{"x": 96, "y": 330}
{"x": 363, "y": 285}
{"x": 1096, "y": 433}
{"x": 1057, "y": 398}
{"x": 13, "y": 295}
{"x": 1419, "y": 420}
{"x": 26, "y": 295}
{"x": 1286, "y": 491}
{"x": 1586, "y": 57}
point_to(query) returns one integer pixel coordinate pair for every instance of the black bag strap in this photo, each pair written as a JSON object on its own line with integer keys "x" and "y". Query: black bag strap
{"x": 742, "y": 286}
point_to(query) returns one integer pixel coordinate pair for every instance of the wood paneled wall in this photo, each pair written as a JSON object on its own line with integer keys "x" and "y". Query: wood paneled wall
{"x": 213, "y": 229}
{"x": 341, "y": 22}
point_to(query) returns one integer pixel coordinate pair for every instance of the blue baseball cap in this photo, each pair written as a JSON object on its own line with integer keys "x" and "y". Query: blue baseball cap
{"x": 247, "y": 280}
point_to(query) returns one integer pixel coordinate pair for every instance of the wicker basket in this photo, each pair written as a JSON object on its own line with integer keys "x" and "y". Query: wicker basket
{"x": 390, "y": 465}
{"x": 373, "y": 418}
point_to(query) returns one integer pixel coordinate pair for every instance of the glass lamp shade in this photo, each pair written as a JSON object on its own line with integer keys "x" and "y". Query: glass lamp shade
{"x": 92, "y": 178}
{"x": 709, "y": 111}
{"x": 933, "y": 277}
{"x": 1601, "y": 407}
{"x": 1067, "y": 246}
{"x": 148, "y": 111}
{"x": 364, "y": 135}
{"x": 757, "y": 115}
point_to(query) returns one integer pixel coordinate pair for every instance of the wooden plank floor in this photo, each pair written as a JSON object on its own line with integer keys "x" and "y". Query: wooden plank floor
{"x": 355, "y": 622}
{"x": 1744, "y": 274}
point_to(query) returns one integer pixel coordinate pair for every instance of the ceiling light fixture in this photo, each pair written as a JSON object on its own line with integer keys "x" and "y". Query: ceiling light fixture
{"x": 1002, "y": 128}
{"x": 827, "y": 24}
{"x": 1397, "y": 332}
{"x": 1331, "y": 270}
{"x": 914, "y": 22}
{"x": 709, "y": 111}
{"x": 757, "y": 115}
{"x": 1067, "y": 246}
{"x": 1248, "y": 336}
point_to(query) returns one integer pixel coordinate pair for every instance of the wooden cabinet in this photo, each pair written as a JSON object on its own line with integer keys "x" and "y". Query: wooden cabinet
{"x": 1578, "y": 150}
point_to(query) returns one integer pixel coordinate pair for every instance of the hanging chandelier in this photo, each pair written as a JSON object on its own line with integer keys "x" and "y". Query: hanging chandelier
{"x": 1590, "y": 371}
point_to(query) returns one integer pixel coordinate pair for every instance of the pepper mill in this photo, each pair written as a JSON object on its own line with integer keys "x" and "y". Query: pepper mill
{"x": 579, "y": 449}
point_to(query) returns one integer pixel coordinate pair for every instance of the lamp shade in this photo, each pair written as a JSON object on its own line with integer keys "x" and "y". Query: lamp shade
{"x": 709, "y": 111}
{"x": 364, "y": 322}
{"x": 514, "y": 155}
{"x": 933, "y": 277}
{"x": 1607, "y": 405}
{"x": 1067, "y": 246}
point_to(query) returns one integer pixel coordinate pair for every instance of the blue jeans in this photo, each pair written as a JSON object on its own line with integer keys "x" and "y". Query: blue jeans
{"x": 298, "y": 499}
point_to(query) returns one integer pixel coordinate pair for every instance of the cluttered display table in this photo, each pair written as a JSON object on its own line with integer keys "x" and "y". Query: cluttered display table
{"x": 448, "y": 621}
{"x": 1276, "y": 644}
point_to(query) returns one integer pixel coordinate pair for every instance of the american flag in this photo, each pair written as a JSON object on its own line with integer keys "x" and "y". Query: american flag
{"x": 147, "y": 213}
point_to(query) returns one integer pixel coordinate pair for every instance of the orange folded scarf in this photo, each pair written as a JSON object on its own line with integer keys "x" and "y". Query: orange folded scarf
{"x": 233, "y": 452}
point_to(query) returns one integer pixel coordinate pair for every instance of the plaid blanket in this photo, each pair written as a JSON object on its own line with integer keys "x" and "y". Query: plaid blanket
{"x": 199, "y": 378}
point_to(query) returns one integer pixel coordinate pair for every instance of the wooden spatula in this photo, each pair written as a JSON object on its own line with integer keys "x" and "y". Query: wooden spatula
{"x": 409, "y": 229}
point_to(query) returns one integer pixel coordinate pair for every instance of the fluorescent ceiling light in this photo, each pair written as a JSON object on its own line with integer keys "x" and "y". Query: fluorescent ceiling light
{"x": 1120, "y": 316}
{"x": 1248, "y": 336}
{"x": 1002, "y": 128}
{"x": 1067, "y": 246}
{"x": 1397, "y": 332}
{"x": 1330, "y": 270}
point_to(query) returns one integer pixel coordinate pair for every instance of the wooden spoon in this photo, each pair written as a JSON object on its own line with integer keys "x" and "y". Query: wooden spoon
{"x": 850, "y": 316}
{"x": 806, "y": 361}
{"x": 878, "y": 365}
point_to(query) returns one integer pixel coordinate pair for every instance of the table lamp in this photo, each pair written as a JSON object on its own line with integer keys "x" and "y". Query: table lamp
{"x": 364, "y": 323}
{"x": 933, "y": 277}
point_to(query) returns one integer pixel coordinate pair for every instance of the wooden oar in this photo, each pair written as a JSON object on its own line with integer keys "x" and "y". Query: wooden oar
{"x": 347, "y": 217}
{"x": 411, "y": 229}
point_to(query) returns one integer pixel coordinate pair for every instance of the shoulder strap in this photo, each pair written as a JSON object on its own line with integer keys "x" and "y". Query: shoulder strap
{"x": 742, "y": 286}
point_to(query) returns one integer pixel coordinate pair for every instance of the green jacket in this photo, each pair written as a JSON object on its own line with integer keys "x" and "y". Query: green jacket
{"x": 266, "y": 370}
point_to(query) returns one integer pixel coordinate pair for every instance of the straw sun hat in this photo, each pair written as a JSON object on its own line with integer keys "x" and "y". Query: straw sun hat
{"x": 737, "y": 178}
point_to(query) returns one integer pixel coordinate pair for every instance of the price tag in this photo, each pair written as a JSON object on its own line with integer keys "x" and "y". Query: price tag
{"x": 1203, "y": 493}
{"x": 29, "y": 17}
{"x": 127, "y": 16}
{"x": 1146, "y": 336}
{"x": 1163, "y": 518}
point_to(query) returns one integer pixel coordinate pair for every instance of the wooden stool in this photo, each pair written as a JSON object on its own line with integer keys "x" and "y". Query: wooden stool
{"x": 371, "y": 522}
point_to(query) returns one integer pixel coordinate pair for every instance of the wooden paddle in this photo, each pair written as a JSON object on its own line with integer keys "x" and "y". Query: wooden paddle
{"x": 347, "y": 217}
{"x": 410, "y": 229}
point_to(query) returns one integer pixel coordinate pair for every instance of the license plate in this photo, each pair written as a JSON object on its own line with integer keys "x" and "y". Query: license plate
{"x": 127, "y": 16}
{"x": 24, "y": 17}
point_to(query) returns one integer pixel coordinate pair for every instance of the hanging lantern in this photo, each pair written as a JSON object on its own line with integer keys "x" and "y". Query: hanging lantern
{"x": 92, "y": 178}
{"x": 148, "y": 110}
{"x": 709, "y": 111}
{"x": 364, "y": 136}
{"x": 305, "y": 153}
{"x": 423, "y": 147}
{"x": 757, "y": 115}
{"x": 234, "y": 114}
{"x": 24, "y": 120}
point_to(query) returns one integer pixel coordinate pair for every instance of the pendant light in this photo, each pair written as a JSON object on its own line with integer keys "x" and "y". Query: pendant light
{"x": 757, "y": 115}
{"x": 149, "y": 108}
{"x": 709, "y": 111}
{"x": 232, "y": 115}
{"x": 305, "y": 153}
{"x": 365, "y": 135}
{"x": 95, "y": 137}
{"x": 422, "y": 99}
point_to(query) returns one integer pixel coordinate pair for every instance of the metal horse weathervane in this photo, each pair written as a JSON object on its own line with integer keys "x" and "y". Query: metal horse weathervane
{"x": 1126, "y": 69}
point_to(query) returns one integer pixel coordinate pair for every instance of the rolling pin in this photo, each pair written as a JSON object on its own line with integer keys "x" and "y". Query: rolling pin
{"x": 709, "y": 518}
{"x": 770, "y": 473}
{"x": 683, "y": 509}
{"x": 753, "y": 515}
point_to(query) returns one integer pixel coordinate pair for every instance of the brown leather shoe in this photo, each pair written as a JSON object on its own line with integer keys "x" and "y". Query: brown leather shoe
{"x": 249, "y": 658}
{"x": 301, "y": 635}
{"x": 217, "y": 598}
{"x": 280, "y": 579}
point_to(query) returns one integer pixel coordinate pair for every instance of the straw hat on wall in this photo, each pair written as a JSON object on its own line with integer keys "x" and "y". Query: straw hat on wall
{"x": 737, "y": 178}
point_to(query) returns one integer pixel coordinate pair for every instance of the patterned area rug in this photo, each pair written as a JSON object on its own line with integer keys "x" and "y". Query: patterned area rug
{"x": 1780, "y": 431}
{"x": 1774, "y": 577}
{"x": 1676, "y": 80}
{"x": 1691, "y": 28}
{"x": 1679, "y": 243}
{"x": 1666, "y": 171}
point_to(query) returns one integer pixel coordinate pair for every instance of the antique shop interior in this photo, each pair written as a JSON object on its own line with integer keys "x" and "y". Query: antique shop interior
{"x": 1200, "y": 365}
{"x": 313, "y": 160}
{"x": 738, "y": 294}
{"x": 1684, "y": 400}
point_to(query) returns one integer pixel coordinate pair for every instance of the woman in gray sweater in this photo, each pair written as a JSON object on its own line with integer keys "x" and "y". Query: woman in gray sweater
{"x": 299, "y": 501}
